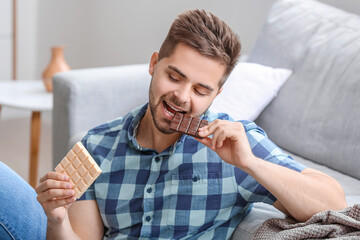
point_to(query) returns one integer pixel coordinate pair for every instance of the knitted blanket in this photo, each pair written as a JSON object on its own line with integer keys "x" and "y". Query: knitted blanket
{"x": 343, "y": 224}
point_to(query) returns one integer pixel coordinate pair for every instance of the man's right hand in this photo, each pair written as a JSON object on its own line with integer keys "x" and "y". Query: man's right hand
{"x": 55, "y": 194}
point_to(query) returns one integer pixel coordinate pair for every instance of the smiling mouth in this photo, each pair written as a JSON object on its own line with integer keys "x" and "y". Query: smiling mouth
{"x": 172, "y": 110}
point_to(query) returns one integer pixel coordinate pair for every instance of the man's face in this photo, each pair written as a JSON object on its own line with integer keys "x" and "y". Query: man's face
{"x": 185, "y": 82}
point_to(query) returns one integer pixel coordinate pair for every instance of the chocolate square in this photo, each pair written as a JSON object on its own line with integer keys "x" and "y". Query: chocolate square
{"x": 187, "y": 124}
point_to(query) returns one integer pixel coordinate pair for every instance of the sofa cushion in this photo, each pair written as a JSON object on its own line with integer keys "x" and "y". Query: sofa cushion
{"x": 316, "y": 113}
{"x": 259, "y": 213}
{"x": 349, "y": 184}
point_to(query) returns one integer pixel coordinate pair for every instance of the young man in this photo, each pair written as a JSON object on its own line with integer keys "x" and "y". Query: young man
{"x": 160, "y": 184}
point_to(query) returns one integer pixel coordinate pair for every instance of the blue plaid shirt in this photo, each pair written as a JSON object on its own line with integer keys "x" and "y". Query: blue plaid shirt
{"x": 186, "y": 191}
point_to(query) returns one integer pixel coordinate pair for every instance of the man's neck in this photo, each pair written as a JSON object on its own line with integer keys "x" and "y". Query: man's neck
{"x": 148, "y": 136}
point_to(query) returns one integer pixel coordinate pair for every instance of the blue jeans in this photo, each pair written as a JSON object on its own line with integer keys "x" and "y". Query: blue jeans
{"x": 21, "y": 215}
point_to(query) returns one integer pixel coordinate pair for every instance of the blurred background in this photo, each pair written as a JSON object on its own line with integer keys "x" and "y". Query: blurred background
{"x": 111, "y": 32}
{"x": 97, "y": 34}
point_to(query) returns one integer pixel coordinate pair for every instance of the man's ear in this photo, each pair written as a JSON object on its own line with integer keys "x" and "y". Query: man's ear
{"x": 153, "y": 61}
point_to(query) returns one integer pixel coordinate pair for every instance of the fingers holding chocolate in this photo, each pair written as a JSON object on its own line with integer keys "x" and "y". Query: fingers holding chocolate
{"x": 74, "y": 174}
{"x": 220, "y": 131}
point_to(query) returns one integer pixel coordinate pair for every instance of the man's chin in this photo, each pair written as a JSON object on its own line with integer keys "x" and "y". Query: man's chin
{"x": 163, "y": 127}
{"x": 165, "y": 130}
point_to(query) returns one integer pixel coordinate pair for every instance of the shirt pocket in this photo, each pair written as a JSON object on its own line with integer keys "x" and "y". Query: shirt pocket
{"x": 192, "y": 196}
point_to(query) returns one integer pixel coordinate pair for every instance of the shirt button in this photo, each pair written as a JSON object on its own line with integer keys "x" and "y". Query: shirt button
{"x": 157, "y": 159}
{"x": 149, "y": 190}
{"x": 148, "y": 218}
{"x": 195, "y": 179}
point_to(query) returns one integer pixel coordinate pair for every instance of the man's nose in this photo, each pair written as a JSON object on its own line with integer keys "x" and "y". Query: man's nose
{"x": 183, "y": 94}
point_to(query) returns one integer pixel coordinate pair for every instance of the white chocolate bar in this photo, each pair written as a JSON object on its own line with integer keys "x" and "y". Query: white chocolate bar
{"x": 80, "y": 167}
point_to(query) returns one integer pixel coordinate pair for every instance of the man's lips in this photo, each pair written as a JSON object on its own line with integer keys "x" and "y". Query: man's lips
{"x": 171, "y": 109}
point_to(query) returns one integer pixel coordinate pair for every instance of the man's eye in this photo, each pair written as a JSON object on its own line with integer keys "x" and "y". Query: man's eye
{"x": 199, "y": 93}
{"x": 172, "y": 78}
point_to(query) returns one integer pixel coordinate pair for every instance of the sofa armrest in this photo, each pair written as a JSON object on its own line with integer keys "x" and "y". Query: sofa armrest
{"x": 86, "y": 98}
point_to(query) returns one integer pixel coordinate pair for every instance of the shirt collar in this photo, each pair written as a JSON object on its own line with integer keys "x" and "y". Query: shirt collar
{"x": 137, "y": 115}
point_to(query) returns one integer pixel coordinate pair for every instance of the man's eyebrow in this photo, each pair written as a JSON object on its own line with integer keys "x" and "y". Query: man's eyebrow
{"x": 184, "y": 76}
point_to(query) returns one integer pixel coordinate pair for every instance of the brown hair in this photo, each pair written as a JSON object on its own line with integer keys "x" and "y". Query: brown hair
{"x": 208, "y": 35}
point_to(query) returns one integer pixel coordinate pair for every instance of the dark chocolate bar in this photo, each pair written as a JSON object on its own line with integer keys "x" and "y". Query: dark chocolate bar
{"x": 187, "y": 124}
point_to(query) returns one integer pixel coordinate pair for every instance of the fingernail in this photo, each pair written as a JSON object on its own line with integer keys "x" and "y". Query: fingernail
{"x": 68, "y": 185}
{"x": 71, "y": 192}
{"x": 66, "y": 177}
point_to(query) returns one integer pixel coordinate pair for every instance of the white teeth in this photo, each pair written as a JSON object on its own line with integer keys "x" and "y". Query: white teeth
{"x": 177, "y": 110}
{"x": 169, "y": 112}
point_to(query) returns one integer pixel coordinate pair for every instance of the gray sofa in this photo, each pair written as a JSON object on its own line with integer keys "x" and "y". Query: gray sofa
{"x": 315, "y": 117}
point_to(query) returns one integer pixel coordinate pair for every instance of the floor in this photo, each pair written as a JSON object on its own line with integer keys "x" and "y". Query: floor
{"x": 15, "y": 141}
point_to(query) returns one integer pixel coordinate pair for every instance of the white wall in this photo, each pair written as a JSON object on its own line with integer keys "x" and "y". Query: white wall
{"x": 5, "y": 40}
{"x": 27, "y": 37}
{"x": 112, "y": 32}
